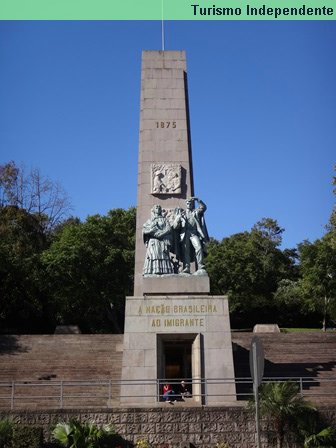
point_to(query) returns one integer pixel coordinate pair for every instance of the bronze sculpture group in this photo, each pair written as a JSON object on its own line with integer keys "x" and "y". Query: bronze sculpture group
{"x": 184, "y": 237}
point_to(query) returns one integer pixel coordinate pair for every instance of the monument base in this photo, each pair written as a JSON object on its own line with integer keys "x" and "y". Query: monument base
{"x": 173, "y": 338}
{"x": 176, "y": 284}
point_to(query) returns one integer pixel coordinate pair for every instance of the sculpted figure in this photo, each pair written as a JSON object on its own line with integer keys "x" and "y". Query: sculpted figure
{"x": 157, "y": 234}
{"x": 158, "y": 184}
{"x": 193, "y": 234}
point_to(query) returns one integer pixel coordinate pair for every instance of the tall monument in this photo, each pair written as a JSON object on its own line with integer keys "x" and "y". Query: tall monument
{"x": 174, "y": 328}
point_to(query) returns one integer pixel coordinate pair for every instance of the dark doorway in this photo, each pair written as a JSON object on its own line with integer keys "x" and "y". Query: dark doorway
{"x": 177, "y": 359}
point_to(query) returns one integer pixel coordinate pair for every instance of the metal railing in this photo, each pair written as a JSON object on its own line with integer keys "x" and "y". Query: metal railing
{"x": 108, "y": 393}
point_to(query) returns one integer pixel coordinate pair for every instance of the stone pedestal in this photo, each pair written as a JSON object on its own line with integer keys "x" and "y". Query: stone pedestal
{"x": 202, "y": 320}
{"x": 176, "y": 284}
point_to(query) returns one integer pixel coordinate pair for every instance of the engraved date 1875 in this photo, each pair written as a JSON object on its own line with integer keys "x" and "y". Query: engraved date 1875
{"x": 165, "y": 124}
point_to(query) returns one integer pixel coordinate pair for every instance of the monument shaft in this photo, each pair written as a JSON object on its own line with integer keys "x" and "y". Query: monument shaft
{"x": 164, "y": 164}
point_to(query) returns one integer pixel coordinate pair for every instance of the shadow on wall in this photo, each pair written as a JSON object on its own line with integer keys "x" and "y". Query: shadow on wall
{"x": 274, "y": 370}
{"x": 10, "y": 344}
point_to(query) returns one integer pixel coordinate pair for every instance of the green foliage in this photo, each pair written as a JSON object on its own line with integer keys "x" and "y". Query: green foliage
{"x": 300, "y": 330}
{"x": 89, "y": 270}
{"x": 80, "y": 273}
{"x": 289, "y": 293}
{"x": 21, "y": 243}
{"x": 268, "y": 232}
{"x": 30, "y": 207}
{"x": 9, "y": 177}
{"x": 318, "y": 271}
{"x": 318, "y": 267}
{"x": 222, "y": 445}
{"x": 249, "y": 266}
{"x": 325, "y": 438}
{"x": 313, "y": 433}
{"x": 6, "y": 432}
{"x": 289, "y": 299}
{"x": 318, "y": 276}
{"x": 313, "y": 293}
{"x": 281, "y": 403}
{"x": 62, "y": 433}
{"x": 142, "y": 443}
{"x": 82, "y": 435}
{"x": 27, "y": 437}
{"x": 331, "y": 227}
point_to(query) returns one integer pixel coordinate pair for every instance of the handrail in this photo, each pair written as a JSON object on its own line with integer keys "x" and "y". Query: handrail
{"x": 17, "y": 394}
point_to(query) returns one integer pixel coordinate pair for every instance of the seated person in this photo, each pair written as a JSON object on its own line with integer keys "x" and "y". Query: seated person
{"x": 184, "y": 390}
{"x": 168, "y": 393}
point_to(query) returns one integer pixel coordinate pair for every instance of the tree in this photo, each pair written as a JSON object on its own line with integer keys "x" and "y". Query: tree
{"x": 269, "y": 231}
{"x": 331, "y": 227}
{"x": 89, "y": 271}
{"x": 314, "y": 290}
{"x": 31, "y": 206}
{"x": 9, "y": 181}
{"x": 289, "y": 302}
{"x": 281, "y": 403}
{"x": 80, "y": 273}
{"x": 248, "y": 266}
{"x": 318, "y": 271}
{"x": 21, "y": 243}
{"x": 34, "y": 193}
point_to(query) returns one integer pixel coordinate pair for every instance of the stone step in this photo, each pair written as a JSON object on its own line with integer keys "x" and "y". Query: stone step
{"x": 292, "y": 355}
{"x": 48, "y": 358}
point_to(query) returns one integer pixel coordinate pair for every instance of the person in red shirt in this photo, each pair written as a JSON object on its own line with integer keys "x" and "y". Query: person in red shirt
{"x": 168, "y": 393}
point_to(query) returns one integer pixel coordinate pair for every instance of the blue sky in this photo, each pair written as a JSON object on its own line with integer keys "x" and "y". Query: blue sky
{"x": 262, "y": 107}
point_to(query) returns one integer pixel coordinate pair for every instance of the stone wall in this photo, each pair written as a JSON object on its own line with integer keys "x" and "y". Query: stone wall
{"x": 168, "y": 427}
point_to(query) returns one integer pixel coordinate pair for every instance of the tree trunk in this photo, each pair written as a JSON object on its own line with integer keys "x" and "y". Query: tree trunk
{"x": 325, "y": 313}
{"x": 280, "y": 433}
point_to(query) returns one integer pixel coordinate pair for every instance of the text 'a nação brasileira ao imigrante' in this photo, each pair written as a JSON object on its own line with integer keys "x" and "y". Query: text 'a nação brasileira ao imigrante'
{"x": 161, "y": 309}
{"x": 169, "y": 310}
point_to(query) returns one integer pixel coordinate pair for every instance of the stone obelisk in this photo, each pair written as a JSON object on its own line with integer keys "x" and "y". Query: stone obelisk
{"x": 173, "y": 327}
{"x": 164, "y": 143}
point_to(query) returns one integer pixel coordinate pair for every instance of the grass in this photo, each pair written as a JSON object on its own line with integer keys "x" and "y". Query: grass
{"x": 287, "y": 330}
{"x": 300, "y": 330}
